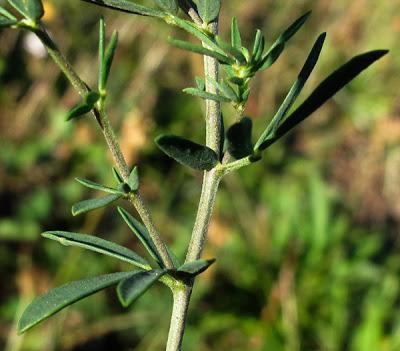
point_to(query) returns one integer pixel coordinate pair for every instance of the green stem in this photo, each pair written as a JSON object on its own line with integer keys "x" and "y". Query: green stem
{"x": 109, "y": 136}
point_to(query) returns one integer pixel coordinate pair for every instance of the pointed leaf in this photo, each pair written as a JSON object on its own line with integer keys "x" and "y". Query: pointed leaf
{"x": 32, "y": 9}
{"x": 258, "y": 47}
{"x": 205, "y": 95}
{"x": 133, "y": 180}
{"x": 230, "y": 50}
{"x": 195, "y": 267}
{"x": 208, "y": 9}
{"x": 109, "y": 56}
{"x": 53, "y": 301}
{"x": 188, "y": 153}
{"x": 92, "y": 204}
{"x": 239, "y": 138}
{"x": 130, "y": 289}
{"x": 141, "y": 232}
{"x": 325, "y": 90}
{"x": 78, "y": 110}
{"x": 7, "y": 22}
{"x": 7, "y": 14}
{"x": 128, "y": 6}
{"x": 117, "y": 176}
{"x": 170, "y": 6}
{"x": 201, "y": 83}
{"x": 236, "y": 39}
{"x": 96, "y": 186}
{"x": 92, "y": 97}
{"x": 94, "y": 243}
{"x": 294, "y": 90}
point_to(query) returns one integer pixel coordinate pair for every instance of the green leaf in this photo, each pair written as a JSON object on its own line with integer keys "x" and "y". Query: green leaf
{"x": 117, "y": 176}
{"x": 130, "y": 289}
{"x": 109, "y": 55}
{"x": 133, "y": 180}
{"x": 198, "y": 49}
{"x": 53, "y": 301}
{"x": 258, "y": 47}
{"x": 84, "y": 107}
{"x": 170, "y": 6}
{"x": 208, "y": 9}
{"x": 97, "y": 186}
{"x": 205, "y": 95}
{"x": 6, "y": 22}
{"x": 32, "y": 9}
{"x": 230, "y": 50}
{"x": 276, "y": 49}
{"x": 92, "y": 204}
{"x": 294, "y": 90}
{"x": 236, "y": 39}
{"x": 93, "y": 243}
{"x": 239, "y": 138}
{"x": 7, "y": 14}
{"x": 91, "y": 98}
{"x": 324, "y": 91}
{"x": 102, "y": 49}
{"x": 128, "y": 6}
{"x": 224, "y": 88}
{"x": 201, "y": 83}
{"x": 195, "y": 267}
{"x": 141, "y": 232}
{"x": 188, "y": 153}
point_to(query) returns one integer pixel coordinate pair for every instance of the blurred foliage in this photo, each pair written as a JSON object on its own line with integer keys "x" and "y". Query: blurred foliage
{"x": 307, "y": 240}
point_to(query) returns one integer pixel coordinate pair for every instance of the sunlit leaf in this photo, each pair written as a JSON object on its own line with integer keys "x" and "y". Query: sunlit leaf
{"x": 236, "y": 39}
{"x": 195, "y": 267}
{"x": 208, "y": 9}
{"x": 205, "y": 95}
{"x": 92, "y": 204}
{"x": 96, "y": 186}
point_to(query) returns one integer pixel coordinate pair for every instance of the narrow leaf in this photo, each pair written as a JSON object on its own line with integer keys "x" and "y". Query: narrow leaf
{"x": 53, "y": 301}
{"x": 294, "y": 90}
{"x": 188, "y": 153}
{"x": 117, "y": 176}
{"x": 97, "y": 186}
{"x": 93, "y": 243}
{"x": 208, "y": 9}
{"x": 7, "y": 14}
{"x": 92, "y": 204}
{"x": 170, "y": 6}
{"x": 130, "y": 289}
{"x": 102, "y": 45}
{"x": 133, "y": 180}
{"x": 128, "y": 6}
{"x": 32, "y": 9}
{"x": 195, "y": 267}
{"x": 109, "y": 55}
{"x": 6, "y": 22}
{"x": 325, "y": 90}
{"x": 91, "y": 98}
{"x": 205, "y": 95}
{"x": 78, "y": 110}
{"x": 198, "y": 49}
{"x": 230, "y": 50}
{"x": 236, "y": 39}
{"x": 258, "y": 47}
{"x": 239, "y": 138}
{"x": 141, "y": 232}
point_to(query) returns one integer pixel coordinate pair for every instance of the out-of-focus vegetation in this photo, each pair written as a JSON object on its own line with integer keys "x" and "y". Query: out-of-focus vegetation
{"x": 307, "y": 240}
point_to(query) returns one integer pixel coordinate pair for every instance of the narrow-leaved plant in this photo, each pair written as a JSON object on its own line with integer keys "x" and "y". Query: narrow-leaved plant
{"x": 221, "y": 153}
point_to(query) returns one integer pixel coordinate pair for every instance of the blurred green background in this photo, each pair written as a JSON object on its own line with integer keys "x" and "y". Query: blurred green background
{"x": 306, "y": 241}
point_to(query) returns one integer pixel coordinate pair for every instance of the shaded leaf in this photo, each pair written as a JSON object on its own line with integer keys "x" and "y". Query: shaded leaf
{"x": 7, "y": 14}
{"x": 7, "y": 22}
{"x": 92, "y": 204}
{"x": 208, "y": 9}
{"x": 236, "y": 39}
{"x": 53, "y": 301}
{"x": 32, "y": 9}
{"x": 96, "y": 186}
{"x": 325, "y": 90}
{"x": 141, "y": 232}
{"x": 230, "y": 50}
{"x": 188, "y": 153}
{"x": 133, "y": 180}
{"x": 170, "y": 6}
{"x": 130, "y": 289}
{"x": 205, "y": 95}
{"x": 239, "y": 138}
{"x": 109, "y": 55}
{"x": 117, "y": 176}
{"x": 195, "y": 267}
{"x": 78, "y": 110}
{"x": 258, "y": 47}
{"x": 99, "y": 245}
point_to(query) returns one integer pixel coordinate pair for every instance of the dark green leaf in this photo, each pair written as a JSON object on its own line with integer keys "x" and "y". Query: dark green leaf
{"x": 188, "y": 153}
{"x": 133, "y": 180}
{"x": 230, "y": 50}
{"x": 208, "y": 9}
{"x": 325, "y": 90}
{"x": 96, "y": 244}
{"x": 92, "y": 204}
{"x": 32, "y": 9}
{"x": 129, "y": 6}
{"x": 96, "y": 186}
{"x": 294, "y": 90}
{"x": 130, "y": 289}
{"x": 92, "y": 97}
{"x": 198, "y": 49}
{"x": 78, "y": 110}
{"x": 239, "y": 138}
{"x": 141, "y": 232}
{"x": 6, "y": 22}
{"x": 205, "y": 95}
{"x": 195, "y": 267}
{"x": 170, "y": 6}
{"x": 50, "y": 303}
{"x": 236, "y": 40}
{"x": 117, "y": 176}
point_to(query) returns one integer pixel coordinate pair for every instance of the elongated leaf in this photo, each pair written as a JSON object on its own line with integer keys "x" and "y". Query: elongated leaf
{"x": 130, "y": 289}
{"x": 276, "y": 49}
{"x": 141, "y": 232}
{"x": 117, "y": 176}
{"x": 133, "y": 180}
{"x": 99, "y": 245}
{"x": 50, "y": 303}
{"x": 96, "y": 186}
{"x": 205, "y": 95}
{"x": 102, "y": 49}
{"x": 109, "y": 56}
{"x": 7, "y": 14}
{"x": 236, "y": 39}
{"x": 230, "y": 50}
{"x": 7, "y": 22}
{"x": 294, "y": 90}
{"x": 92, "y": 204}
{"x": 239, "y": 138}
{"x": 258, "y": 47}
{"x": 208, "y": 9}
{"x": 128, "y": 6}
{"x": 187, "y": 152}
{"x": 32, "y": 9}
{"x": 78, "y": 110}
{"x": 324, "y": 91}
{"x": 196, "y": 267}
{"x": 170, "y": 6}
{"x": 92, "y": 97}
{"x": 198, "y": 49}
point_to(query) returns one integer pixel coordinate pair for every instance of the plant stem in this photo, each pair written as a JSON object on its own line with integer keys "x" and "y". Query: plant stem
{"x": 211, "y": 181}
{"x": 110, "y": 138}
